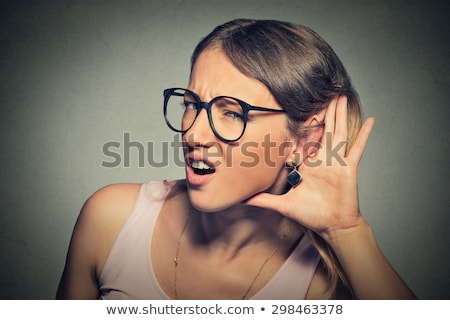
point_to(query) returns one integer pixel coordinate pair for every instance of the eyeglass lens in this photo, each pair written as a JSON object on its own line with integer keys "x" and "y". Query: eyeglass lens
{"x": 226, "y": 114}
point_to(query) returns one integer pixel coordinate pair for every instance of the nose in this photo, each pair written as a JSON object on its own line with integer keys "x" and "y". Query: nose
{"x": 200, "y": 133}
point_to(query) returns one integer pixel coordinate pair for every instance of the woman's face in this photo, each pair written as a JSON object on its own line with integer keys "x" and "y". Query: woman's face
{"x": 220, "y": 175}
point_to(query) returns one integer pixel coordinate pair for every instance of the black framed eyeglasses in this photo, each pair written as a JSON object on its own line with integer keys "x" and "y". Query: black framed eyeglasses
{"x": 227, "y": 116}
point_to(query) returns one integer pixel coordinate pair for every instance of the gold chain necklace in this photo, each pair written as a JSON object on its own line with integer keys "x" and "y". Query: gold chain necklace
{"x": 176, "y": 259}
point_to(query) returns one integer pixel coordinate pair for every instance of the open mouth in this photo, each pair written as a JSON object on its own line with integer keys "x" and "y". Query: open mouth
{"x": 201, "y": 167}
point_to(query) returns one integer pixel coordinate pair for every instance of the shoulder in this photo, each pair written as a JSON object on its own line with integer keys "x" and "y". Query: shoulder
{"x": 100, "y": 221}
{"x": 108, "y": 206}
{"x": 113, "y": 197}
{"x": 102, "y": 217}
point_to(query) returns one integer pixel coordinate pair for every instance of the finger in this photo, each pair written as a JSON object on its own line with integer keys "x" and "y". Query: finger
{"x": 361, "y": 140}
{"x": 330, "y": 117}
{"x": 341, "y": 127}
{"x": 268, "y": 201}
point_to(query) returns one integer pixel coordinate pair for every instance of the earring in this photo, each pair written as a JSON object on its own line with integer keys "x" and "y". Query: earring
{"x": 294, "y": 177}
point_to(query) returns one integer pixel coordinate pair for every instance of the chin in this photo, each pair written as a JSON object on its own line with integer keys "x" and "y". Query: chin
{"x": 204, "y": 203}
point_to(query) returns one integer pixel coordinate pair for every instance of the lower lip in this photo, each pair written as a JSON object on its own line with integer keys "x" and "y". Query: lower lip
{"x": 196, "y": 179}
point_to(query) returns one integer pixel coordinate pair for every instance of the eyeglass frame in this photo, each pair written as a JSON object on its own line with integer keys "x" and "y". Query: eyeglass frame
{"x": 246, "y": 108}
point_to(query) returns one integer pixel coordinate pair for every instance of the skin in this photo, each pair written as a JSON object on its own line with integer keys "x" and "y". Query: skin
{"x": 233, "y": 232}
{"x": 214, "y": 75}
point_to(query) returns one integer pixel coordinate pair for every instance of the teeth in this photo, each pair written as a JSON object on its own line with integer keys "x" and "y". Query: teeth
{"x": 200, "y": 165}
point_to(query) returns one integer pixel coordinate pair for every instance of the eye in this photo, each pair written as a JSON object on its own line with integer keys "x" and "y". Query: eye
{"x": 190, "y": 105}
{"x": 229, "y": 109}
{"x": 233, "y": 115}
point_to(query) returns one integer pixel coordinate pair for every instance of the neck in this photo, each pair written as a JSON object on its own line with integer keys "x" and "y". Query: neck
{"x": 230, "y": 231}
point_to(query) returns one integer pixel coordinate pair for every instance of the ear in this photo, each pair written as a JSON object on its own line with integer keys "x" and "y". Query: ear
{"x": 308, "y": 138}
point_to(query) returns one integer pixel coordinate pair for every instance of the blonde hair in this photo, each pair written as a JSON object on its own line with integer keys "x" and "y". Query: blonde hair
{"x": 302, "y": 72}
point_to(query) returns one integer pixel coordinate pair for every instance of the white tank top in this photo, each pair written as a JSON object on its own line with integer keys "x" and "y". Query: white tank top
{"x": 128, "y": 272}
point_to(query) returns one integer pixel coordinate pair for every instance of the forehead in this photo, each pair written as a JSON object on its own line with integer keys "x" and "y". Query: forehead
{"x": 213, "y": 74}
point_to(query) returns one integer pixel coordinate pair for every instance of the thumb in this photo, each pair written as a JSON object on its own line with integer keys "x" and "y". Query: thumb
{"x": 267, "y": 201}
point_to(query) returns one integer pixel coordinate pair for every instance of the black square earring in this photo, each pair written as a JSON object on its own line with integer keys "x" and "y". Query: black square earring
{"x": 294, "y": 177}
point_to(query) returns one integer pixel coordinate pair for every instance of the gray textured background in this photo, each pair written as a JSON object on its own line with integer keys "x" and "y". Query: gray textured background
{"x": 76, "y": 74}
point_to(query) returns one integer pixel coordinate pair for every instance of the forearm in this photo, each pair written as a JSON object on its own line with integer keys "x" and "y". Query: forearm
{"x": 369, "y": 272}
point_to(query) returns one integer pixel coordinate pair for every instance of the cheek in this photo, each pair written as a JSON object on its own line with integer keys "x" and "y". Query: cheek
{"x": 265, "y": 157}
{"x": 269, "y": 151}
{"x": 262, "y": 160}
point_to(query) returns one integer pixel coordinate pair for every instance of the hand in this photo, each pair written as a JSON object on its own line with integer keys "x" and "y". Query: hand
{"x": 326, "y": 201}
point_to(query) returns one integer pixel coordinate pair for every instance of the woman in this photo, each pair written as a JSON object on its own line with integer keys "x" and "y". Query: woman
{"x": 269, "y": 208}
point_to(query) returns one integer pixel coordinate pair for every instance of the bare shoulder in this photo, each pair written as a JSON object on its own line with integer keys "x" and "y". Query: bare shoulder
{"x": 113, "y": 201}
{"x": 104, "y": 214}
{"x": 100, "y": 221}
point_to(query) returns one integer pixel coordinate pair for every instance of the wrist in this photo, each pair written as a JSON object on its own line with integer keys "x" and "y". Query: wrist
{"x": 359, "y": 232}
{"x": 369, "y": 273}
